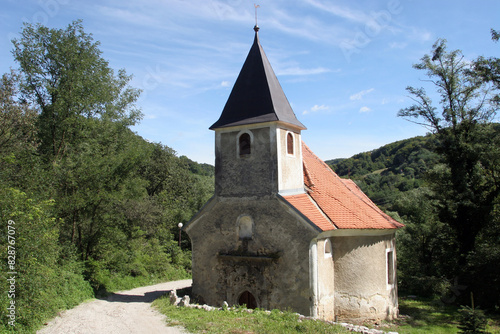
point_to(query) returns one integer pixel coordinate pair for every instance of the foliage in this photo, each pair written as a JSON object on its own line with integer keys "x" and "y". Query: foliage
{"x": 17, "y": 119}
{"x": 18, "y": 137}
{"x": 387, "y": 172}
{"x": 239, "y": 320}
{"x": 97, "y": 205}
{"x": 47, "y": 278}
{"x": 64, "y": 75}
{"x": 466, "y": 186}
{"x": 472, "y": 320}
{"x": 425, "y": 245}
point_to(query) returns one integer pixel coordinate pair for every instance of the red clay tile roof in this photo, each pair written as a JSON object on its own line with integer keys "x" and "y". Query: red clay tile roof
{"x": 334, "y": 203}
{"x": 305, "y": 204}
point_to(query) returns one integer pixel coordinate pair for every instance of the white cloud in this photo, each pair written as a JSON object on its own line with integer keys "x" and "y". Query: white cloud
{"x": 359, "y": 95}
{"x": 225, "y": 84}
{"x": 364, "y": 109}
{"x": 316, "y": 108}
{"x": 420, "y": 35}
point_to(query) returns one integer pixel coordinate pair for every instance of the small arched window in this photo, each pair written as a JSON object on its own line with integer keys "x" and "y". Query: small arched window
{"x": 245, "y": 144}
{"x": 289, "y": 143}
{"x": 328, "y": 248}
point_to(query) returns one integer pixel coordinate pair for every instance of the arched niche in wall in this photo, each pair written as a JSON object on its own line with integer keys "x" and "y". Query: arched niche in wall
{"x": 245, "y": 227}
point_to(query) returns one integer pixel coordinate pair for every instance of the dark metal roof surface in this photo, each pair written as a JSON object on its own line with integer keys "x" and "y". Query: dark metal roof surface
{"x": 257, "y": 95}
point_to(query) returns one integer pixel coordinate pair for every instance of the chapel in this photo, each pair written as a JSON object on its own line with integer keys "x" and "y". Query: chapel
{"x": 282, "y": 230}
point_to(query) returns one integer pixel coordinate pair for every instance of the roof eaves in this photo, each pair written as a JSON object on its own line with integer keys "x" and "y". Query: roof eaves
{"x": 297, "y": 211}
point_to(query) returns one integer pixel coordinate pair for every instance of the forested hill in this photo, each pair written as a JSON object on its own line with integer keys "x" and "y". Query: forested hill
{"x": 389, "y": 170}
{"x": 384, "y": 173}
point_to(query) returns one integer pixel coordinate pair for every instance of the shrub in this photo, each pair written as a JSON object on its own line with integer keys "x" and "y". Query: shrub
{"x": 44, "y": 282}
{"x": 472, "y": 320}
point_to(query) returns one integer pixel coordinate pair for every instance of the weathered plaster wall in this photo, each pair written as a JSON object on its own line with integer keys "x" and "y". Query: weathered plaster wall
{"x": 326, "y": 292}
{"x": 291, "y": 175}
{"x": 277, "y": 234}
{"x": 249, "y": 175}
{"x": 361, "y": 284}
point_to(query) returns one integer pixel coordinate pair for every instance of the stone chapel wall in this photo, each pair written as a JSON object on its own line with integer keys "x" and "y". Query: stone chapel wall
{"x": 272, "y": 265}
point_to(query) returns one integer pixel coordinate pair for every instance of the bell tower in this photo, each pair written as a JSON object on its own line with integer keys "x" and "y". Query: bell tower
{"x": 258, "y": 149}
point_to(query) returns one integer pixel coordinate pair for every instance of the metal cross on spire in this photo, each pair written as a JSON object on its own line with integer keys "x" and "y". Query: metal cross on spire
{"x": 256, "y": 6}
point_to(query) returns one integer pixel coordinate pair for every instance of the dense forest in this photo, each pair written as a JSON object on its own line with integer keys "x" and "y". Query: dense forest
{"x": 86, "y": 205}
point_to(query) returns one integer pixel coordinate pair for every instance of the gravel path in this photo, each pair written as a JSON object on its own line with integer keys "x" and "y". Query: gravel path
{"x": 121, "y": 313}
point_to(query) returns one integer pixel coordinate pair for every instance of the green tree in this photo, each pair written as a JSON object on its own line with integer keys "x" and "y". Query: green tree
{"x": 66, "y": 78}
{"x": 466, "y": 186}
{"x": 425, "y": 248}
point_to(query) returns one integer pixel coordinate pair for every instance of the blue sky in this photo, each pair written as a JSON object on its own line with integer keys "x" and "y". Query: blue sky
{"x": 343, "y": 64}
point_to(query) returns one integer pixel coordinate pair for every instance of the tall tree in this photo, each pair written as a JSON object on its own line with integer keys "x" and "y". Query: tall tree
{"x": 65, "y": 76}
{"x": 467, "y": 184}
{"x": 84, "y": 114}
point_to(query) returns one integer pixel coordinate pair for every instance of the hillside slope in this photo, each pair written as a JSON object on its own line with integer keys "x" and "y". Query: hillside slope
{"x": 389, "y": 170}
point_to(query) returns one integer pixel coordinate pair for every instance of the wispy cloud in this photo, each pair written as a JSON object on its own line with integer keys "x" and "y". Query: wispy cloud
{"x": 417, "y": 34}
{"x": 294, "y": 23}
{"x": 316, "y": 108}
{"x": 359, "y": 95}
{"x": 364, "y": 109}
{"x": 340, "y": 11}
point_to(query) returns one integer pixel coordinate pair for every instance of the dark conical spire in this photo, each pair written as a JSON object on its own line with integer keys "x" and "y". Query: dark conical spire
{"x": 257, "y": 95}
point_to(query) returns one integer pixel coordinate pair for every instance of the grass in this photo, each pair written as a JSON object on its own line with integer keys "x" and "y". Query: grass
{"x": 239, "y": 321}
{"x": 417, "y": 316}
{"x": 425, "y": 316}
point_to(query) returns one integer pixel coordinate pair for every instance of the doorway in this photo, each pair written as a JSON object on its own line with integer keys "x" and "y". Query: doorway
{"x": 247, "y": 299}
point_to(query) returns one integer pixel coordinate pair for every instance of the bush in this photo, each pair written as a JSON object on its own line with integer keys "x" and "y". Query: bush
{"x": 472, "y": 320}
{"x": 42, "y": 282}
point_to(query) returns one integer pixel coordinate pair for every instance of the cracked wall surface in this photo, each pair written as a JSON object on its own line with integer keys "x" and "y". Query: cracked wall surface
{"x": 361, "y": 282}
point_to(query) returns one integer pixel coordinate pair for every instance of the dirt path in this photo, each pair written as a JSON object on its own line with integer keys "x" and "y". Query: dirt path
{"x": 121, "y": 313}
